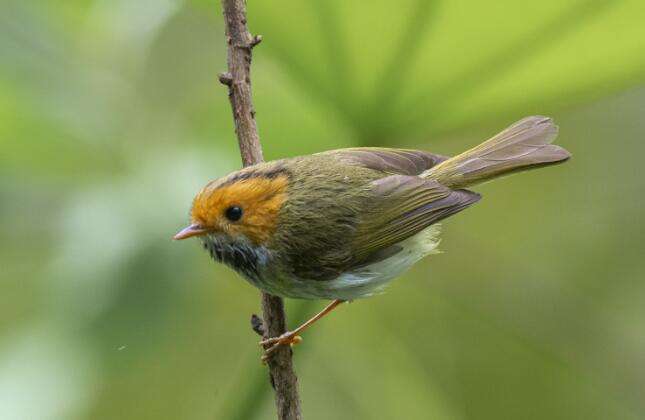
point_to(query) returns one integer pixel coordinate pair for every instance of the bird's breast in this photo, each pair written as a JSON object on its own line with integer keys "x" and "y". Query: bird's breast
{"x": 245, "y": 258}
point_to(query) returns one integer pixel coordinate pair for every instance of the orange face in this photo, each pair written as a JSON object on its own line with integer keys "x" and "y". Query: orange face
{"x": 247, "y": 207}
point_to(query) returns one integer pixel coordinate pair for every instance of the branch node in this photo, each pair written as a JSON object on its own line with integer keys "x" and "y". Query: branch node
{"x": 225, "y": 78}
{"x": 257, "y": 325}
{"x": 255, "y": 41}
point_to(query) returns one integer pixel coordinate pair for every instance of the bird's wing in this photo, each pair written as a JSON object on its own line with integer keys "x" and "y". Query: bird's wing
{"x": 388, "y": 161}
{"x": 402, "y": 206}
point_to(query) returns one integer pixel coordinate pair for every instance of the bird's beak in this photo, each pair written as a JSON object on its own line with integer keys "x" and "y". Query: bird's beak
{"x": 192, "y": 230}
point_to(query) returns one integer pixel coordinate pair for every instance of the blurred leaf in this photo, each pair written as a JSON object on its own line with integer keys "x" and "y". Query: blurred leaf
{"x": 429, "y": 66}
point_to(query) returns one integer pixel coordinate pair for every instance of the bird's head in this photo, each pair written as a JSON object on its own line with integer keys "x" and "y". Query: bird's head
{"x": 243, "y": 206}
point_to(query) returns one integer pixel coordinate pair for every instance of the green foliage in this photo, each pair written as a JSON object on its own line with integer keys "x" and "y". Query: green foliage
{"x": 111, "y": 118}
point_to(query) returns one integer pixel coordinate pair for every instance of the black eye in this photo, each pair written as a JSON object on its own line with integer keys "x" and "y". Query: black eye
{"x": 233, "y": 213}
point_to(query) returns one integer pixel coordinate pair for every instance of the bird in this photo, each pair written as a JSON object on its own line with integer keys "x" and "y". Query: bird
{"x": 340, "y": 225}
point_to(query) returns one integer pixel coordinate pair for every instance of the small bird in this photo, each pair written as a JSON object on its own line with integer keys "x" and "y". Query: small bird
{"x": 342, "y": 224}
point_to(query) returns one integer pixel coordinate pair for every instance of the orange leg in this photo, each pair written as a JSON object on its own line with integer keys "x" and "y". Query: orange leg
{"x": 293, "y": 337}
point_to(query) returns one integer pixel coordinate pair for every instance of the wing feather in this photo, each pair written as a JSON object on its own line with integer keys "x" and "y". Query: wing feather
{"x": 388, "y": 161}
{"x": 404, "y": 206}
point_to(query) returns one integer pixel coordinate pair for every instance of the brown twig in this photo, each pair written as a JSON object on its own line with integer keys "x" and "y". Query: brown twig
{"x": 238, "y": 79}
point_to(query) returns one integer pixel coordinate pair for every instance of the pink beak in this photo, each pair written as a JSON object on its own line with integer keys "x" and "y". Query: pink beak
{"x": 192, "y": 230}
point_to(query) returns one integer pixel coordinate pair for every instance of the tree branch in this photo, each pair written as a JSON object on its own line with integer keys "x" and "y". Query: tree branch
{"x": 238, "y": 79}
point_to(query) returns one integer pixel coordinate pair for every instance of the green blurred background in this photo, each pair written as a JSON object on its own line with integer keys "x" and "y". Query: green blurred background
{"x": 111, "y": 118}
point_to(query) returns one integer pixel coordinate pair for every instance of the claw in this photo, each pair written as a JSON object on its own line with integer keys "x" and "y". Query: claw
{"x": 272, "y": 344}
{"x": 295, "y": 340}
{"x": 286, "y": 338}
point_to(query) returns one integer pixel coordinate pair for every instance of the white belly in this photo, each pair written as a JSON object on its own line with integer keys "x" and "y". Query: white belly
{"x": 373, "y": 278}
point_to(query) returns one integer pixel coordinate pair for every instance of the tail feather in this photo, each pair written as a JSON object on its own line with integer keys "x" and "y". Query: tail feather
{"x": 522, "y": 146}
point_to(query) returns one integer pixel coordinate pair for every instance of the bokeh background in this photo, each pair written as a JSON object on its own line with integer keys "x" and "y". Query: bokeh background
{"x": 111, "y": 118}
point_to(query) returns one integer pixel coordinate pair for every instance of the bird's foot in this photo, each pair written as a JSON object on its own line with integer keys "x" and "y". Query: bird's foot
{"x": 290, "y": 338}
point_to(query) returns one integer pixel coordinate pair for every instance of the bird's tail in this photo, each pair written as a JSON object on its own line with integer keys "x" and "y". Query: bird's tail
{"x": 522, "y": 146}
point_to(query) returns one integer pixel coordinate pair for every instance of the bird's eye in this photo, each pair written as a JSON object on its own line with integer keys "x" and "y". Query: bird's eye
{"x": 233, "y": 213}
